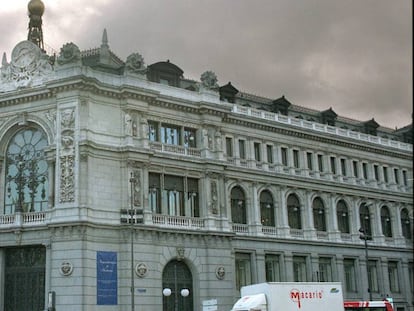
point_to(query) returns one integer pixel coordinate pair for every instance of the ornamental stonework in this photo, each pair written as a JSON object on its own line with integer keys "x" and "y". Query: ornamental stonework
{"x": 67, "y": 156}
{"x": 29, "y": 66}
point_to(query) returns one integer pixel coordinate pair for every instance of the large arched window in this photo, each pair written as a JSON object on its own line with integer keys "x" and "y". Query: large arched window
{"x": 342, "y": 216}
{"x": 386, "y": 222}
{"x": 238, "y": 206}
{"x": 26, "y": 173}
{"x": 293, "y": 209}
{"x": 267, "y": 211}
{"x": 405, "y": 224}
{"x": 318, "y": 210}
{"x": 365, "y": 219}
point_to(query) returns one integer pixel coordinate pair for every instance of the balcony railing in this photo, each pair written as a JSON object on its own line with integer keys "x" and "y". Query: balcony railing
{"x": 240, "y": 228}
{"x": 260, "y": 114}
{"x": 25, "y": 218}
{"x": 188, "y": 151}
{"x": 178, "y": 221}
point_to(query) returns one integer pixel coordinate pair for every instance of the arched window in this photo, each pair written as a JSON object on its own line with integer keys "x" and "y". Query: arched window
{"x": 342, "y": 216}
{"x": 238, "y": 206}
{"x": 177, "y": 277}
{"x": 293, "y": 209}
{"x": 406, "y": 224}
{"x": 365, "y": 219}
{"x": 386, "y": 222}
{"x": 267, "y": 211}
{"x": 318, "y": 209}
{"x": 26, "y": 173}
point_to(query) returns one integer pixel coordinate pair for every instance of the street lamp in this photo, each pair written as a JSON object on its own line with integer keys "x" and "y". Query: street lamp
{"x": 364, "y": 236}
{"x": 132, "y": 181}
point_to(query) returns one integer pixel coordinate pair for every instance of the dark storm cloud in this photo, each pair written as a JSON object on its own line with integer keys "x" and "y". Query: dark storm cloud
{"x": 354, "y": 56}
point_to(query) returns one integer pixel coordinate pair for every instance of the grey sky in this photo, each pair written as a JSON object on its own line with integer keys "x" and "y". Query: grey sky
{"x": 352, "y": 55}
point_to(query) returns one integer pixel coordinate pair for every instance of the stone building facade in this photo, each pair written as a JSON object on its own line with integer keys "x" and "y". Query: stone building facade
{"x": 117, "y": 177}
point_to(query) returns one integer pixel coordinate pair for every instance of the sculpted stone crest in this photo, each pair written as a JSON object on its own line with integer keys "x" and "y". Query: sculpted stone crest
{"x": 69, "y": 53}
{"x": 209, "y": 80}
{"x": 28, "y": 66}
{"x": 135, "y": 64}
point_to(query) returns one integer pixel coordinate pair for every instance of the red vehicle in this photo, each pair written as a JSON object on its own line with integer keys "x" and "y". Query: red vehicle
{"x": 383, "y": 305}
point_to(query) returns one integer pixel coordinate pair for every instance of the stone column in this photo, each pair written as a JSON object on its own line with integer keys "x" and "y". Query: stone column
{"x": 288, "y": 266}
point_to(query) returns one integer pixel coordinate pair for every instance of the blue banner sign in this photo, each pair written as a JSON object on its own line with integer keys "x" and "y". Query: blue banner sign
{"x": 106, "y": 278}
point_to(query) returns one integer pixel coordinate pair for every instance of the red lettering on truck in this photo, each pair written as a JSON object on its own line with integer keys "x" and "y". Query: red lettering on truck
{"x": 297, "y": 295}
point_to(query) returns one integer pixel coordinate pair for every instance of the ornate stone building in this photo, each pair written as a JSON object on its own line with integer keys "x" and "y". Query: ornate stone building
{"x": 117, "y": 176}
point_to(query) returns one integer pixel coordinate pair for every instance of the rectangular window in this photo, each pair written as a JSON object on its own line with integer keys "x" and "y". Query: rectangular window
{"x": 393, "y": 276}
{"x": 154, "y": 193}
{"x": 190, "y": 137}
{"x": 320, "y": 162}
{"x": 153, "y": 131}
{"x": 229, "y": 147}
{"x": 283, "y": 151}
{"x": 269, "y": 151}
{"x": 192, "y": 197}
{"x": 343, "y": 167}
{"x": 272, "y": 263}
{"x": 385, "y": 173}
{"x": 243, "y": 270}
{"x": 405, "y": 180}
{"x": 309, "y": 158}
{"x": 396, "y": 177}
{"x": 173, "y": 195}
{"x": 350, "y": 276}
{"x": 257, "y": 153}
{"x": 355, "y": 168}
{"x": 299, "y": 269}
{"x": 333, "y": 165}
{"x": 296, "y": 158}
{"x": 242, "y": 149}
{"x": 373, "y": 276}
{"x": 365, "y": 170}
{"x": 376, "y": 173}
{"x": 325, "y": 270}
{"x": 170, "y": 134}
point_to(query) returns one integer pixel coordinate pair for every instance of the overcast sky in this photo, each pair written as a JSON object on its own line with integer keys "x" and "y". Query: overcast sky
{"x": 352, "y": 55}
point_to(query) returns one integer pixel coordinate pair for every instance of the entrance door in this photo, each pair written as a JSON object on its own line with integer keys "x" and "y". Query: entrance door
{"x": 176, "y": 277}
{"x": 25, "y": 279}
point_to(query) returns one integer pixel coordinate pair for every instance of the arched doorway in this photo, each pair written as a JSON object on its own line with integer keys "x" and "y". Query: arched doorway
{"x": 176, "y": 277}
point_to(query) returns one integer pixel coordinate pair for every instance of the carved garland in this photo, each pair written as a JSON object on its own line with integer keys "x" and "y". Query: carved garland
{"x": 67, "y": 157}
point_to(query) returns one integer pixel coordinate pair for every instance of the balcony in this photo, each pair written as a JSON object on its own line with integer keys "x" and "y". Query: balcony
{"x": 23, "y": 219}
{"x": 175, "y": 149}
{"x": 178, "y": 221}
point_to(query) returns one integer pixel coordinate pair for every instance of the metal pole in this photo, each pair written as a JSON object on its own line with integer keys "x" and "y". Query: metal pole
{"x": 366, "y": 259}
{"x": 175, "y": 288}
{"x": 132, "y": 181}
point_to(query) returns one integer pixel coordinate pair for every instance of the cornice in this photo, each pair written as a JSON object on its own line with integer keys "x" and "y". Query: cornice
{"x": 329, "y": 140}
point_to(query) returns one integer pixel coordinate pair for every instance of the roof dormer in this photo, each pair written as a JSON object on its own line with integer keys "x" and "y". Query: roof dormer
{"x": 165, "y": 73}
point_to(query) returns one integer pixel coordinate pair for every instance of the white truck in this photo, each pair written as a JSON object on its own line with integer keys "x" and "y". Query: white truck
{"x": 291, "y": 296}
